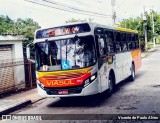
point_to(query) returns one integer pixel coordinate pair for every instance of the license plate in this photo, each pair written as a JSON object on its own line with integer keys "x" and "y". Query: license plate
{"x": 62, "y": 91}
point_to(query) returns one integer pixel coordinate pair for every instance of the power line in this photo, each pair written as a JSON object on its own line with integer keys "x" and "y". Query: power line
{"x": 71, "y": 7}
{"x": 78, "y": 1}
{"x": 68, "y": 10}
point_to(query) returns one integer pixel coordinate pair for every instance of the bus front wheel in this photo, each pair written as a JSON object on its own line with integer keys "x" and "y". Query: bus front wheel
{"x": 110, "y": 84}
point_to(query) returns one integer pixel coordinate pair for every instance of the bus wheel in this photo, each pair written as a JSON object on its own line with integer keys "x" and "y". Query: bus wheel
{"x": 132, "y": 76}
{"x": 110, "y": 84}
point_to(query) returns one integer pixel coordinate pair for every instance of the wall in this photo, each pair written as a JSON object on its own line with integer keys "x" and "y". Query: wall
{"x": 17, "y": 53}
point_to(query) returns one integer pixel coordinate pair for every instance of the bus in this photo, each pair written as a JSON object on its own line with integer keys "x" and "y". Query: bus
{"x": 83, "y": 59}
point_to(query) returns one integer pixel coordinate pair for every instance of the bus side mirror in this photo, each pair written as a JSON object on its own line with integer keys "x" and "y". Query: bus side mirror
{"x": 28, "y": 52}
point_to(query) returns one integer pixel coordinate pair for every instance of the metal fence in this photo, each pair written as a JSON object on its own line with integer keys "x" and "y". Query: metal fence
{"x": 16, "y": 74}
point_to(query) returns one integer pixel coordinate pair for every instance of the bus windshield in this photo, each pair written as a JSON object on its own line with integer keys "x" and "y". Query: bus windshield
{"x": 66, "y": 54}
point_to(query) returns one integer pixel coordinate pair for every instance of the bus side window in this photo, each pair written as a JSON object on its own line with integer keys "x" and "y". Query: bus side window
{"x": 123, "y": 37}
{"x": 133, "y": 45}
{"x": 129, "y": 37}
{"x": 102, "y": 49}
{"x": 136, "y": 37}
{"x": 129, "y": 46}
{"x": 118, "y": 47}
{"x": 109, "y": 41}
{"x": 137, "y": 41}
{"x": 137, "y": 45}
{"x": 133, "y": 37}
{"x": 100, "y": 41}
{"x": 124, "y": 46}
{"x": 117, "y": 37}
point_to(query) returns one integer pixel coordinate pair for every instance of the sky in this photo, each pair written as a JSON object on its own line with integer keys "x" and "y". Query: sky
{"x": 48, "y": 16}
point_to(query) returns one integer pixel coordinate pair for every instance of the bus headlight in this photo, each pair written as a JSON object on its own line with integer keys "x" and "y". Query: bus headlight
{"x": 93, "y": 77}
{"x": 90, "y": 79}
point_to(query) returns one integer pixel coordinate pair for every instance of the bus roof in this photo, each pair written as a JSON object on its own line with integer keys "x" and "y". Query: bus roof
{"x": 92, "y": 25}
{"x": 95, "y": 24}
{"x": 125, "y": 30}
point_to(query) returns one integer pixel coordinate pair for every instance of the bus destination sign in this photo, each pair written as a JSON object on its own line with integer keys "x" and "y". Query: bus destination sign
{"x": 63, "y": 30}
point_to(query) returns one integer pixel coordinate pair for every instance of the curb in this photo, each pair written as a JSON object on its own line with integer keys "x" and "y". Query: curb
{"x": 148, "y": 53}
{"x": 19, "y": 106}
{"x": 38, "y": 100}
{"x": 15, "y": 107}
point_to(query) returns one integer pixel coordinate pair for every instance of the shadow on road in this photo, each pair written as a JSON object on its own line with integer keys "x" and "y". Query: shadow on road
{"x": 127, "y": 81}
{"x": 139, "y": 74}
{"x": 90, "y": 101}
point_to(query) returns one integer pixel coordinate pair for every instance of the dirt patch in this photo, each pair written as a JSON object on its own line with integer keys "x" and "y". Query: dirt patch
{"x": 125, "y": 107}
{"x": 156, "y": 86}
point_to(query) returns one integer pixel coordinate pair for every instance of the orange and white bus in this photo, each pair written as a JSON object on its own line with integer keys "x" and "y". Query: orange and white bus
{"x": 84, "y": 59}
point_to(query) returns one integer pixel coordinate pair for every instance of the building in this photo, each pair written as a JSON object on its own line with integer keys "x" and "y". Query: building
{"x": 12, "y": 74}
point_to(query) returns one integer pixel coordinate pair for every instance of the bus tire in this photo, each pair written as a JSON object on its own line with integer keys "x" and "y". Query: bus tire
{"x": 111, "y": 84}
{"x": 132, "y": 76}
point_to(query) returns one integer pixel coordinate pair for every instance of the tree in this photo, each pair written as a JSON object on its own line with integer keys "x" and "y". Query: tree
{"x": 6, "y": 24}
{"x": 138, "y": 24}
{"x": 25, "y": 27}
{"x": 20, "y": 26}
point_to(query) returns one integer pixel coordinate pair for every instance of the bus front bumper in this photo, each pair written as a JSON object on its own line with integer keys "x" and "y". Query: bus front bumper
{"x": 91, "y": 89}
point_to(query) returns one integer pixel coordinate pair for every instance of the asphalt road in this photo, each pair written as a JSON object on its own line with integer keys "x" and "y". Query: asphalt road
{"x": 139, "y": 97}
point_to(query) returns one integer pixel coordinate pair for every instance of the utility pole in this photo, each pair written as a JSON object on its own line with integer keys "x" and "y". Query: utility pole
{"x": 145, "y": 30}
{"x": 154, "y": 42}
{"x": 113, "y": 12}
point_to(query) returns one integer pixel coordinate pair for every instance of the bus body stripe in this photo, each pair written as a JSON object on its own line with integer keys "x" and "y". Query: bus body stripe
{"x": 136, "y": 57}
{"x": 64, "y": 78}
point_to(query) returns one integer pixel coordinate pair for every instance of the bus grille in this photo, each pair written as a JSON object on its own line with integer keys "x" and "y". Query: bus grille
{"x": 71, "y": 90}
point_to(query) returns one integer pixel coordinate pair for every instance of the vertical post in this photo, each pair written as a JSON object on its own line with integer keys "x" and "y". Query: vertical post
{"x": 145, "y": 30}
{"x": 125, "y": 24}
{"x": 30, "y": 66}
{"x": 28, "y": 73}
{"x": 154, "y": 43}
{"x": 113, "y": 13}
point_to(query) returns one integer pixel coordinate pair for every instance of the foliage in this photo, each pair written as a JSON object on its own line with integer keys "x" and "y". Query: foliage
{"x": 6, "y": 24}
{"x": 20, "y": 26}
{"x": 158, "y": 39}
{"x": 139, "y": 24}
